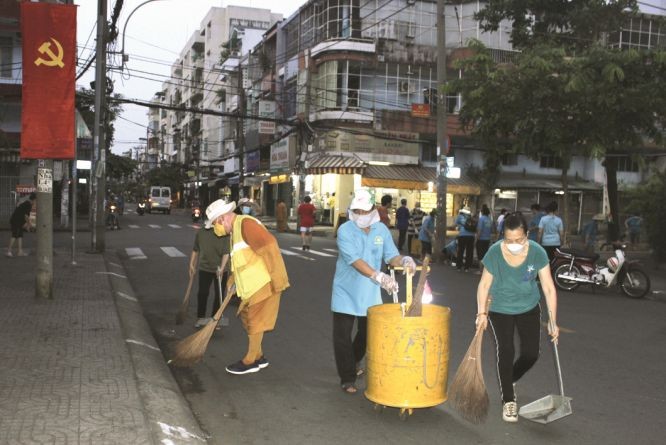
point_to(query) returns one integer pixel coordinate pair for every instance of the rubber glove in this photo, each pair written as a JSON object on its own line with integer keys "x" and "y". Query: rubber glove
{"x": 386, "y": 282}
{"x": 408, "y": 262}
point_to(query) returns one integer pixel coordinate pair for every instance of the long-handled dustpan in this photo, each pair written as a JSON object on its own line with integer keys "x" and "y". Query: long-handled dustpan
{"x": 550, "y": 408}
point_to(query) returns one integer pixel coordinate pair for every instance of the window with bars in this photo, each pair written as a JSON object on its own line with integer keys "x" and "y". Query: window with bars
{"x": 509, "y": 159}
{"x": 627, "y": 164}
{"x": 6, "y": 56}
{"x": 550, "y": 161}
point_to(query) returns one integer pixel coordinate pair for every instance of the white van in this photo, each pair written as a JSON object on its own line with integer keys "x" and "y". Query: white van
{"x": 160, "y": 199}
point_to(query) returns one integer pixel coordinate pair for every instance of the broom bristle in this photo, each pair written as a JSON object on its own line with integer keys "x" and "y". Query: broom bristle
{"x": 182, "y": 311}
{"x": 468, "y": 390}
{"x": 190, "y": 350}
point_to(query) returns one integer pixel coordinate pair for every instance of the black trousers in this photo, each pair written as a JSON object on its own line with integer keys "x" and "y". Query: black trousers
{"x": 550, "y": 250}
{"x": 466, "y": 247}
{"x": 205, "y": 280}
{"x": 482, "y": 247}
{"x": 348, "y": 352}
{"x": 528, "y": 327}
{"x": 402, "y": 234}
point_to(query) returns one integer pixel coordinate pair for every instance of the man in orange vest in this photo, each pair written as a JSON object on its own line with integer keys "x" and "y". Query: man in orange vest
{"x": 260, "y": 278}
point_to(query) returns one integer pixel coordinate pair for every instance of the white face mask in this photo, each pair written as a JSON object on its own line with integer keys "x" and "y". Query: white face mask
{"x": 515, "y": 248}
{"x": 364, "y": 221}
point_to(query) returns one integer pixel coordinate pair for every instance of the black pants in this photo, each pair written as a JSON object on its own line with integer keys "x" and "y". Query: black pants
{"x": 550, "y": 250}
{"x": 402, "y": 234}
{"x": 481, "y": 249}
{"x": 205, "y": 280}
{"x": 466, "y": 247}
{"x": 529, "y": 331}
{"x": 410, "y": 237}
{"x": 347, "y": 352}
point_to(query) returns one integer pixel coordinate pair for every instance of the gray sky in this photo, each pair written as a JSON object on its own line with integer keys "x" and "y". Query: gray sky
{"x": 158, "y": 30}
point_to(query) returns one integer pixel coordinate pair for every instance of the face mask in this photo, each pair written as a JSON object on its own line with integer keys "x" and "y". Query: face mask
{"x": 219, "y": 230}
{"x": 515, "y": 248}
{"x": 246, "y": 210}
{"x": 364, "y": 221}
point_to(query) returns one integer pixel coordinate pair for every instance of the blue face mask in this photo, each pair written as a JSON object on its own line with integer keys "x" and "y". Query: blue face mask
{"x": 246, "y": 210}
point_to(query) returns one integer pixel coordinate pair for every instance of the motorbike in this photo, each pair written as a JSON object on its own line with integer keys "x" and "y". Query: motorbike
{"x": 196, "y": 214}
{"x": 141, "y": 208}
{"x": 571, "y": 268}
{"x": 112, "y": 218}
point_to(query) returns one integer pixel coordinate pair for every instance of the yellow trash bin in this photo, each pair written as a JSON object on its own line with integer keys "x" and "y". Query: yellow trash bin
{"x": 407, "y": 358}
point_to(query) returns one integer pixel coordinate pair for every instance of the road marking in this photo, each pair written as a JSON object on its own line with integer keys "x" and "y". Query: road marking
{"x": 140, "y": 343}
{"x": 174, "y": 226}
{"x": 316, "y": 252}
{"x": 154, "y": 226}
{"x": 133, "y": 226}
{"x": 127, "y": 297}
{"x": 135, "y": 253}
{"x": 331, "y": 250}
{"x": 195, "y": 226}
{"x": 289, "y": 253}
{"x": 172, "y": 252}
{"x": 112, "y": 273}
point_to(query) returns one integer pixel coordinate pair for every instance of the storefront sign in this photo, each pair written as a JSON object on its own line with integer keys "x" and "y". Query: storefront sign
{"x": 252, "y": 161}
{"x": 24, "y": 189}
{"x": 420, "y": 110}
{"x": 282, "y": 153}
{"x": 266, "y": 109}
{"x": 279, "y": 179}
{"x": 391, "y": 147}
{"x": 44, "y": 180}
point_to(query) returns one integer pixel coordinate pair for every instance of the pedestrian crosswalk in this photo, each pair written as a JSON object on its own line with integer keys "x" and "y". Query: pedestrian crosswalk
{"x": 159, "y": 226}
{"x": 138, "y": 253}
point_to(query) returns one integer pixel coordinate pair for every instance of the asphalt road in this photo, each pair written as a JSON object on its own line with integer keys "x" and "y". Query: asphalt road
{"x": 612, "y": 353}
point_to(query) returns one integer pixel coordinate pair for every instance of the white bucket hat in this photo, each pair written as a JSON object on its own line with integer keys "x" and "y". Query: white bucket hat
{"x": 362, "y": 200}
{"x": 217, "y": 209}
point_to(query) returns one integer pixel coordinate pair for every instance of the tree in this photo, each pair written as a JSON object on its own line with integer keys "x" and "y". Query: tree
{"x": 120, "y": 167}
{"x": 170, "y": 175}
{"x": 85, "y": 103}
{"x": 644, "y": 201}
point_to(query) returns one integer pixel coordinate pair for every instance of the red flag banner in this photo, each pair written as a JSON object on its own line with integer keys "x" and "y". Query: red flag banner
{"x": 49, "y": 67}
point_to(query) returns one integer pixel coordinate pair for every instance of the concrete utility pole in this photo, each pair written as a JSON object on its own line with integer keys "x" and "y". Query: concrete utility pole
{"x": 44, "y": 278}
{"x": 442, "y": 136}
{"x": 98, "y": 172}
{"x": 240, "y": 137}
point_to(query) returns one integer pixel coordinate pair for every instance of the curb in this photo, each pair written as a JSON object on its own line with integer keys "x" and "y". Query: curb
{"x": 168, "y": 412}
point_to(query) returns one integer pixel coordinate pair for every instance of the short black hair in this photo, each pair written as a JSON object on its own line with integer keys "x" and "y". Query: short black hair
{"x": 535, "y": 206}
{"x": 503, "y": 211}
{"x": 307, "y": 199}
{"x": 485, "y": 210}
{"x": 403, "y": 201}
{"x": 514, "y": 221}
{"x": 551, "y": 207}
{"x": 33, "y": 196}
{"x": 387, "y": 199}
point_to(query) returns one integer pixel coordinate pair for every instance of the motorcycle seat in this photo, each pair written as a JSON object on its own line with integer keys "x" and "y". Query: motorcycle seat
{"x": 580, "y": 254}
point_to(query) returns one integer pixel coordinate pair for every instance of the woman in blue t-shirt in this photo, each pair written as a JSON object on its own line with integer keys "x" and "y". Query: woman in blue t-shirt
{"x": 511, "y": 267}
{"x": 551, "y": 230}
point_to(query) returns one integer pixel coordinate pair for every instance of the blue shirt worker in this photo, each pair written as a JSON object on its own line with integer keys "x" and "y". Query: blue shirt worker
{"x": 551, "y": 230}
{"x": 633, "y": 226}
{"x": 484, "y": 230}
{"x": 364, "y": 244}
{"x": 537, "y": 214}
{"x": 466, "y": 234}
{"x": 426, "y": 233}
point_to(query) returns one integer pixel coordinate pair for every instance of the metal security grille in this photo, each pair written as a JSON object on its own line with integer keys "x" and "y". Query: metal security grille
{"x": 9, "y": 178}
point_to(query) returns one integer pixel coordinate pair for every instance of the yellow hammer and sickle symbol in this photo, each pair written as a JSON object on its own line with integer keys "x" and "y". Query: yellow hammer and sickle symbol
{"x": 54, "y": 59}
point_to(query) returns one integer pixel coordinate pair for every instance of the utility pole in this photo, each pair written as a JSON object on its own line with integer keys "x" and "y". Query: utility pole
{"x": 442, "y": 136}
{"x": 98, "y": 172}
{"x": 240, "y": 137}
{"x": 44, "y": 278}
{"x": 304, "y": 130}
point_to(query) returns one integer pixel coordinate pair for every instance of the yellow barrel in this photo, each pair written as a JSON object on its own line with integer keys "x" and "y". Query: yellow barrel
{"x": 407, "y": 357}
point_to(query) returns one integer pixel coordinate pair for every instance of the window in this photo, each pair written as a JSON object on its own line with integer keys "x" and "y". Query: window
{"x": 627, "y": 164}
{"x": 549, "y": 161}
{"x": 6, "y": 49}
{"x": 430, "y": 98}
{"x": 428, "y": 153}
{"x": 509, "y": 159}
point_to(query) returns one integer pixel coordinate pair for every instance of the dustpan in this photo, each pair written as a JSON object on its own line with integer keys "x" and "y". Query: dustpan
{"x": 552, "y": 407}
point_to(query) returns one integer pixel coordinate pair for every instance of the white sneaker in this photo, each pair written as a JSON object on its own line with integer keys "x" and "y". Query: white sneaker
{"x": 510, "y": 412}
{"x": 9, "y": 254}
{"x": 201, "y": 322}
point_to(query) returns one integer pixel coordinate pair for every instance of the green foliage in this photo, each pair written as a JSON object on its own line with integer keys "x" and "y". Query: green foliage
{"x": 85, "y": 103}
{"x": 171, "y": 175}
{"x": 644, "y": 200}
{"x": 119, "y": 167}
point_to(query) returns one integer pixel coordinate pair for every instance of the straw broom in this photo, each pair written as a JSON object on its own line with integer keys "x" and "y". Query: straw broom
{"x": 468, "y": 392}
{"x": 190, "y": 350}
{"x": 180, "y": 316}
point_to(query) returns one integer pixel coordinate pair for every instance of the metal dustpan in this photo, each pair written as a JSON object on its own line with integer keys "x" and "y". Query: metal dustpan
{"x": 552, "y": 407}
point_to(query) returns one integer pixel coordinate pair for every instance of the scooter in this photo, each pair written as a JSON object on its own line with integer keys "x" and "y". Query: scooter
{"x": 112, "y": 218}
{"x": 196, "y": 214}
{"x": 141, "y": 208}
{"x": 571, "y": 268}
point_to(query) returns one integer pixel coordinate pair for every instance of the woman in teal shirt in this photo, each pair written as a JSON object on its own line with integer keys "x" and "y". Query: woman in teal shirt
{"x": 511, "y": 269}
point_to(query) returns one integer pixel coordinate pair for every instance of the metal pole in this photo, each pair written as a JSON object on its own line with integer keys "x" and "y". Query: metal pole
{"x": 240, "y": 140}
{"x": 98, "y": 174}
{"x": 442, "y": 136}
{"x": 44, "y": 277}
{"x": 75, "y": 186}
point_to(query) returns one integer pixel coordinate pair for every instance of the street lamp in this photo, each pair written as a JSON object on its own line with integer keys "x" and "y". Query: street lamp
{"x": 122, "y": 49}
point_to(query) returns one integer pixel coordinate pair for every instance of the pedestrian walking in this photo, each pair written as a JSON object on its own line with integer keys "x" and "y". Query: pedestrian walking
{"x": 211, "y": 254}
{"x": 633, "y": 227}
{"x": 483, "y": 233}
{"x": 306, "y": 213}
{"x": 590, "y": 232}
{"x": 364, "y": 243}
{"x": 281, "y": 215}
{"x": 260, "y": 277}
{"x": 331, "y": 205}
{"x": 551, "y": 230}
{"x": 537, "y": 214}
{"x": 466, "y": 233}
{"x": 402, "y": 223}
{"x": 510, "y": 273}
{"x": 19, "y": 222}
{"x": 384, "y": 210}
{"x": 415, "y": 220}
{"x": 500, "y": 224}
{"x": 427, "y": 233}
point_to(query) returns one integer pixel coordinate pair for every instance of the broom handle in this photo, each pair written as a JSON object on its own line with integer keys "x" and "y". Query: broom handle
{"x": 223, "y": 306}
{"x": 558, "y": 368}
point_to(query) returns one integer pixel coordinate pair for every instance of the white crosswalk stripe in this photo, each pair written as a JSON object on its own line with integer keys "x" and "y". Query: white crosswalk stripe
{"x": 331, "y": 250}
{"x": 173, "y": 252}
{"x": 154, "y": 226}
{"x": 135, "y": 253}
{"x": 290, "y": 253}
{"x": 133, "y": 226}
{"x": 174, "y": 226}
{"x": 316, "y": 252}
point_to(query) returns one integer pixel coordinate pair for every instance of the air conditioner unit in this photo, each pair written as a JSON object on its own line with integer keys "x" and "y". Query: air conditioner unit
{"x": 403, "y": 87}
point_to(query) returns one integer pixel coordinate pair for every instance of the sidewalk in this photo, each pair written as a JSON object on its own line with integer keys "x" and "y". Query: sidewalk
{"x": 83, "y": 367}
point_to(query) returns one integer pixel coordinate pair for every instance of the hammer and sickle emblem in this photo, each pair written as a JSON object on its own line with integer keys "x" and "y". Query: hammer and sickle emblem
{"x": 54, "y": 59}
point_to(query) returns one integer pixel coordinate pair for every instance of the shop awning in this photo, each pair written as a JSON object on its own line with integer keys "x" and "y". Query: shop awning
{"x": 552, "y": 183}
{"x": 338, "y": 164}
{"x": 412, "y": 177}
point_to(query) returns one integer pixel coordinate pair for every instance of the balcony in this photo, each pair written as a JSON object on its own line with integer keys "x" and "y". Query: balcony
{"x": 362, "y": 46}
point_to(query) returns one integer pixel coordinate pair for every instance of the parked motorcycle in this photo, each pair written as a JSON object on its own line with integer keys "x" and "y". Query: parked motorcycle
{"x": 571, "y": 268}
{"x": 141, "y": 208}
{"x": 196, "y": 214}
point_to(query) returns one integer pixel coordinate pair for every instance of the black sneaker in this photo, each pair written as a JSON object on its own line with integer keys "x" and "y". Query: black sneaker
{"x": 262, "y": 362}
{"x": 239, "y": 368}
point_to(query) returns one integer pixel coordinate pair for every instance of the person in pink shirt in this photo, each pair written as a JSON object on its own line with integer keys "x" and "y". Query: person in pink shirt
{"x": 306, "y": 214}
